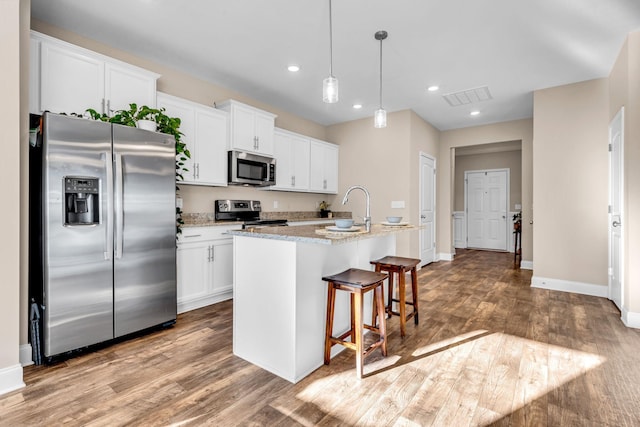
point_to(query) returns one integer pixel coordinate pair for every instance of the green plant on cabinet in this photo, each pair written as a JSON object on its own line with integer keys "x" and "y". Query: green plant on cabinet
{"x": 165, "y": 124}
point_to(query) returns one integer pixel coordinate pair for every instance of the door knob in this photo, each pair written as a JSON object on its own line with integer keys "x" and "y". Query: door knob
{"x": 616, "y": 223}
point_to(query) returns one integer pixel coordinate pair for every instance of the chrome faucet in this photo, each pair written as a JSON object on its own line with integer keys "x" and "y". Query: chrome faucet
{"x": 367, "y": 216}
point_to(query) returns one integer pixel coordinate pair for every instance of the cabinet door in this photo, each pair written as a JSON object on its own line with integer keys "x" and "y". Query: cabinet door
{"x": 125, "y": 85}
{"x": 264, "y": 126}
{"x": 211, "y": 134}
{"x": 331, "y": 168}
{"x": 243, "y": 128}
{"x": 323, "y": 167}
{"x": 282, "y": 154}
{"x": 300, "y": 159}
{"x": 222, "y": 265}
{"x": 316, "y": 167}
{"x": 69, "y": 81}
{"x": 193, "y": 275}
{"x": 175, "y": 108}
{"x": 34, "y": 76}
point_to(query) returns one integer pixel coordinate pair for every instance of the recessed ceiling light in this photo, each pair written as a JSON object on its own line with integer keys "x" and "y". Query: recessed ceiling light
{"x": 433, "y": 88}
{"x": 293, "y": 68}
{"x": 474, "y": 113}
{"x": 357, "y": 106}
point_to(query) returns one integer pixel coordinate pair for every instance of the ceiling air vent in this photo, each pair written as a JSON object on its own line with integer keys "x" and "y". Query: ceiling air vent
{"x": 468, "y": 96}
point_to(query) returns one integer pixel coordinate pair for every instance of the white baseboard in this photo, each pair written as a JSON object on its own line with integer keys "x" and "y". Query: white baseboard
{"x": 444, "y": 257}
{"x": 630, "y": 319}
{"x": 526, "y": 265}
{"x": 569, "y": 286}
{"x": 11, "y": 379}
{"x": 194, "y": 303}
{"x": 26, "y": 355}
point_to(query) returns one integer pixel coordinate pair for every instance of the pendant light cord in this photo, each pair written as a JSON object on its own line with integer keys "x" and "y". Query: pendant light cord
{"x": 330, "y": 42}
{"x": 381, "y": 73}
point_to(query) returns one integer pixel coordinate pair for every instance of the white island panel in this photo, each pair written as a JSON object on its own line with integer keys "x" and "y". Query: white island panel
{"x": 280, "y": 298}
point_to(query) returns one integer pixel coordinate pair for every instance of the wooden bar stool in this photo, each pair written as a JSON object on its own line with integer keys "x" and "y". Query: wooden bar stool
{"x": 399, "y": 265}
{"x": 357, "y": 282}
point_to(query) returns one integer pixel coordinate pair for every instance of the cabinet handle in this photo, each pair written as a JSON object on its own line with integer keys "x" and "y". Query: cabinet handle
{"x": 257, "y": 142}
{"x": 212, "y": 254}
{"x": 195, "y": 166}
{"x": 198, "y": 168}
{"x": 324, "y": 184}
{"x": 192, "y": 235}
{"x": 109, "y": 111}
{"x": 293, "y": 181}
{"x": 103, "y": 106}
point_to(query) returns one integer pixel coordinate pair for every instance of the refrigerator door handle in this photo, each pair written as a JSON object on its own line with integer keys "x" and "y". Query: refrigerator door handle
{"x": 108, "y": 200}
{"x": 118, "y": 197}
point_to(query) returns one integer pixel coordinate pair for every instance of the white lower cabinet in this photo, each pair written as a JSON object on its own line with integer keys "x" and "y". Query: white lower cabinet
{"x": 204, "y": 266}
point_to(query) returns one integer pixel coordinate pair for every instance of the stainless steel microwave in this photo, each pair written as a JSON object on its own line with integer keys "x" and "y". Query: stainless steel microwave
{"x": 251, "y": 169}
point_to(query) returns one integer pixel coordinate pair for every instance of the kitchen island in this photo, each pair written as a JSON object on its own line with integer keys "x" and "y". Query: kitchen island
{"x": 279, "y": 301}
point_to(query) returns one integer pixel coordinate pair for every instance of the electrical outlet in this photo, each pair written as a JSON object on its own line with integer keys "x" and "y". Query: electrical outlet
{"x": 397, "y": 204}
{"x": 275, "y": 204}
{"x": 179, "y": 202}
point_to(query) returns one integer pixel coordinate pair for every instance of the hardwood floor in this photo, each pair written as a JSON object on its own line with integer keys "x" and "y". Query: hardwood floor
{"x": 489, "y": 350}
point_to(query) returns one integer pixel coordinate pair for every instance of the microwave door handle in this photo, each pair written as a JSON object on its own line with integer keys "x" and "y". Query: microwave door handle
{"x": 108, "y": 164}
{"x": 118, "y": 197}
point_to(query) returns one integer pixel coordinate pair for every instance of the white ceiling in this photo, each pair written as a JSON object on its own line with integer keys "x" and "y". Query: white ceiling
{"x": 512, "y": 46}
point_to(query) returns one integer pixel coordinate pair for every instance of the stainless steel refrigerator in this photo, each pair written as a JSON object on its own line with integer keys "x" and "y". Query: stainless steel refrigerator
{"x": 104, "y": 248}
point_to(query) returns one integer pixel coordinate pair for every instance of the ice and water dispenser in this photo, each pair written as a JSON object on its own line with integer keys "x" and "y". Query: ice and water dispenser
{"x": 82, "y": 198}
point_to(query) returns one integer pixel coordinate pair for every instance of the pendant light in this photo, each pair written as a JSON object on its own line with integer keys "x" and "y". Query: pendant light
{"x": 330, "y": 84}
{"x": 380, "y": 116}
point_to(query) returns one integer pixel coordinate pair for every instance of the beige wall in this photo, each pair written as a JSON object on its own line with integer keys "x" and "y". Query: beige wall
{"x": 624, "y": 90}
{"x": 14, "y": 135}
{"x": 425, "y": 139}
{"x": 517, "y": 130}
{"x": 570, "y": 160}
{"x": 511, "y": 160}
{"x": 385, "y": 161}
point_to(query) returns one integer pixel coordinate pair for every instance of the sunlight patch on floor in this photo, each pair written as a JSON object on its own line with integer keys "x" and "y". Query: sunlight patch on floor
{"x": 480, "y": 374}
{"x": 441, "y": 345}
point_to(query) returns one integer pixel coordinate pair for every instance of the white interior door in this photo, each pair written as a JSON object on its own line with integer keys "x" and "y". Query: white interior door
{"x": 427, "y": 209}
{"x": 616, "y": 182}
{"x": 486, "y": 201}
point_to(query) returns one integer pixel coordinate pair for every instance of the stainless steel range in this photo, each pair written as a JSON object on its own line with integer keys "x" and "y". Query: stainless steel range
{"x": 247, "y": 211}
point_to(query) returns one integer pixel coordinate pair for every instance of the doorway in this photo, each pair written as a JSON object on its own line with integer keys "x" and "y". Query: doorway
{"x": 487, "y": 207}
{"x": 427, "y": 209}
{"x": 616, "y": 200}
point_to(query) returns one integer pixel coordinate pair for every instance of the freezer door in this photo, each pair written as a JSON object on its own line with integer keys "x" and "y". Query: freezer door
{"x": 145, "y": 229}
{"x": 78, "y": 275}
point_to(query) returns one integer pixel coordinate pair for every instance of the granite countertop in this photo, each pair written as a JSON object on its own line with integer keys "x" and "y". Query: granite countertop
{"x": 208, "y": 219}
{"x": 319, "y": 233}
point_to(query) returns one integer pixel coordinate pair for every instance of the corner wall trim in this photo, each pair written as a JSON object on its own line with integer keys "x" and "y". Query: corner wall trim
{"x": 10, "y": 379}
{"x": 526, "y": 265}
{"x": 569, "y": 286}
{"x": 445, "y": 257}
{"x": 26, "y": 355}
{"x": 630, "y": 319}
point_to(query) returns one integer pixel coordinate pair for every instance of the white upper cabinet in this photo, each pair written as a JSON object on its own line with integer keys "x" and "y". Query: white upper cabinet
{"x": 69, "y": 79}
{"x": 324, "y": 167}
{"x": 251, "y": 129}
{"x": 205, "y": 134}
{"x": 292, "y": 161}
{"x": 126, "y": 84}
